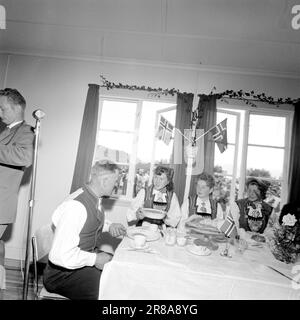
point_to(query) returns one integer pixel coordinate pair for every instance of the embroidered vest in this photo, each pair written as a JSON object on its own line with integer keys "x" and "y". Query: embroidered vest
{"x": 251, "y": 223}
{"x": 193, "y": 207}
{"x": 149, "y": 203}
{"x": 149, "y": 198}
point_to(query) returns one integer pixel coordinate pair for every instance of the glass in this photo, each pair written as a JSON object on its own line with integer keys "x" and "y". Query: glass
{"x": 115, "y": 146}
{"x": 147, "y": 134}
{"x": 224, "y": 161}
{"x": 267, "y": 130}
{"x": 118, "y": 115}
{"x": 231, "y": 125}
{"x": 170, "y": 237}
{"x": 265, "y": 162}
{"x": 240, "y": 245}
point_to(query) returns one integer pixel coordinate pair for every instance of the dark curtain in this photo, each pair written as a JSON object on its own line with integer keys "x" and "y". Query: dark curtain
{"x": 183, "y": 121}
{"x": 207, "y": 111}
{"x": 294, "y": 173}
{"x": 87, "y": 139}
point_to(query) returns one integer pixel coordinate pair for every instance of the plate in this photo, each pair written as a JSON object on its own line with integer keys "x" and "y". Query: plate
{"x": 154, "y": 213}
{"x": 149, "y": 234}
{"x": 198, "y": 250}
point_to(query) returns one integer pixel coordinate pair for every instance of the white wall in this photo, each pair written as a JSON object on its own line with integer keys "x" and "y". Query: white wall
{"x": 59, "y": 87}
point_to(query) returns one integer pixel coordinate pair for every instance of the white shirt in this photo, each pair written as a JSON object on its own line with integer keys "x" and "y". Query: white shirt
{"x": 203, "y": 203}
{"x": 69, "y": 219}
{"x": 14, "y": 124}
{"x": 173, "y": 214}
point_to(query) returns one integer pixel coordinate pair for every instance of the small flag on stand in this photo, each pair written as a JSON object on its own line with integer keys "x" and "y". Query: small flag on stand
{"x": 165, "y": 130}
{"x": 229, "y": 227}
{"x": 219, "y": 135}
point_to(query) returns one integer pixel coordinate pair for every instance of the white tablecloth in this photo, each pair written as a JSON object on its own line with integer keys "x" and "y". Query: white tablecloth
{"x": 174, "y": 273}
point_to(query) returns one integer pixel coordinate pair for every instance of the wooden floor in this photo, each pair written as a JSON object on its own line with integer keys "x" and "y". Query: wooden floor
{"x": 14, "y": 286}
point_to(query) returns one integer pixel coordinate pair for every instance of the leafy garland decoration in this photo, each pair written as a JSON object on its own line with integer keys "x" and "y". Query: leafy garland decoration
{"x": 247, "y": 97}
{"x": 157, "y": 92}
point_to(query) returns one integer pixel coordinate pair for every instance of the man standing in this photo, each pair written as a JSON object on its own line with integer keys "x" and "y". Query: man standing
{"x": 75, "y": 264}
{"x": 16, "y": 150}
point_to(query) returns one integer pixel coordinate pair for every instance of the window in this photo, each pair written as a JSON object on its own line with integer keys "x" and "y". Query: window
{"x": 258, "y": 146}
{"x": 127, "y": 134}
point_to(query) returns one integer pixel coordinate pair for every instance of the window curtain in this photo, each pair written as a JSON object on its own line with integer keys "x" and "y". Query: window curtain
{"x": 183, "y": 121}
{"x": 87, "y": 139}
{"x": 207, "y": 111}
{"x": 294, "y": 173}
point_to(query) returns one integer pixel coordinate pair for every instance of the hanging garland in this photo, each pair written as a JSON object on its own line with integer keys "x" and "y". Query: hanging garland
{"x": 157, "y": 92}
{"x": 245, "y": 96}
{"x": 248, "y": 96}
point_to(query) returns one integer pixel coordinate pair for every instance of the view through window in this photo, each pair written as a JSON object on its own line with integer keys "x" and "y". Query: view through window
{"x": 258, "y": 145}
{"x": 128, "y": 134}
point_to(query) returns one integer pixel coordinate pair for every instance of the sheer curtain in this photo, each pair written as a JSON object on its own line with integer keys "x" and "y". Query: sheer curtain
{"x": 183, "y": 121}
{"x": 87, "y": 139}
{"x": 207, "y": 111}
{"x": 294, "y": 174}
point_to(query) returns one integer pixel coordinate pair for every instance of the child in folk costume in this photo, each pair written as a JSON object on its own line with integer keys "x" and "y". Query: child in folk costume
{"x": 159, "y": 195}
{"x": 202, "y": 204}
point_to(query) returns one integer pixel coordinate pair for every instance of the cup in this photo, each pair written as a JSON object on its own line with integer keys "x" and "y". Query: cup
{"x": 139, "y": 240}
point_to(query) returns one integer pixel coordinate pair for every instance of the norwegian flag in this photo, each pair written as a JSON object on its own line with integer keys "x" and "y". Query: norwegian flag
{"x": 229, "y": 227}
{"x": 219, "y": 135}
{"x": 165, "y": 130}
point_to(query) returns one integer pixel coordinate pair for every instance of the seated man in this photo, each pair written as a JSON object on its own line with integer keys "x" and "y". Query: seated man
{"x": 159, "y": 195}
{"x": 74, "y": 266}
{"x": 202, "y": 203}
{"x": 252, "y": 213}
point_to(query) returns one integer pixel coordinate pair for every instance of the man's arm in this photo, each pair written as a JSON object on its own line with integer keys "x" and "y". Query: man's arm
{"x": 69, "y": 219}
{"x": 19, "y": 152}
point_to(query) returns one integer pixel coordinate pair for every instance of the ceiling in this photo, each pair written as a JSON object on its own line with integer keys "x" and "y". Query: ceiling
{"x": 249, "y": 36}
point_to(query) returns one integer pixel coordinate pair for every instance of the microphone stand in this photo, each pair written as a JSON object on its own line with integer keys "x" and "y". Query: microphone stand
{"x": 31, "y": 207}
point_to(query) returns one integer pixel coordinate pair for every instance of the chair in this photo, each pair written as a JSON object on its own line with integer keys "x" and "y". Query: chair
{"x": 41, "y": 244}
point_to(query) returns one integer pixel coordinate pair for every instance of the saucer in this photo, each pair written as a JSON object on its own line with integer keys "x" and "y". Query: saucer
{"x": 149, "y": 234}
{"x": 133, "y": 246}
{"x": 198, "y": 250}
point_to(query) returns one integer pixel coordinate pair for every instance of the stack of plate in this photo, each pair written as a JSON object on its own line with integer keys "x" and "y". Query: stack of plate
{"x": 154, "y": 213}
{"x": 146, "y": 231}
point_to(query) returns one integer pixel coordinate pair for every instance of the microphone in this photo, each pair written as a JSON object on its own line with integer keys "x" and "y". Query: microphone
{"x": 38, "y": 114}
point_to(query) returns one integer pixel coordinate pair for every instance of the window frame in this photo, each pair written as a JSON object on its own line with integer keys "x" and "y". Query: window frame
{"x": 264, "y": 109}
{"x": 139, "y": 99}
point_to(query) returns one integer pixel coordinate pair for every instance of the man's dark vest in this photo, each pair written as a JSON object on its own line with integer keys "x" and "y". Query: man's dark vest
{"x": 193, "y": 206}
{"x": 245, "y": 220}
{"x": 94, "y": 222}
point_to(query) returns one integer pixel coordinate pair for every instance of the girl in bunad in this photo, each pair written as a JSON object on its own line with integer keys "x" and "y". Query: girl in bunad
{"x": 159, "y": 195}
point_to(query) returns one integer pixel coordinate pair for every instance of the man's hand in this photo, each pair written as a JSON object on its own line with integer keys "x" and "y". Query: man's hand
{"x": 117, "y": 229}
{"x": 140, "y": 214}
{"x": 101, "y": 259}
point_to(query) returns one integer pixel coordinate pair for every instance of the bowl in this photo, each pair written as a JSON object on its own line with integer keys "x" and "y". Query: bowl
{"x": 154, "y": 213}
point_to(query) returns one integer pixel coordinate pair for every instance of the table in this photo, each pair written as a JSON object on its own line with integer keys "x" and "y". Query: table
{"x": 171, "y": 272}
